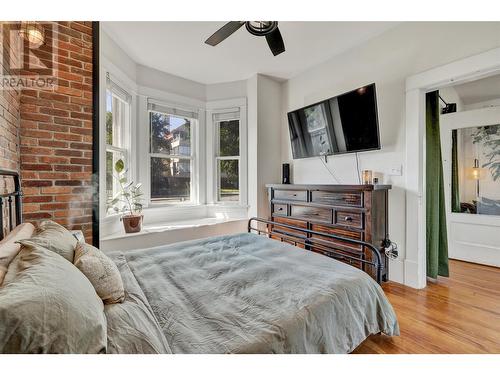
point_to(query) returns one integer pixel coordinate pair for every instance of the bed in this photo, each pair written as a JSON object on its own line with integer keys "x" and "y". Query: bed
{"x": 244, "y": 293}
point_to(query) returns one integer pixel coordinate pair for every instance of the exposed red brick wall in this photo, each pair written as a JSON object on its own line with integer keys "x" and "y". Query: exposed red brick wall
{"x": 9, "y": 116}
{"x": 56, "y": 136}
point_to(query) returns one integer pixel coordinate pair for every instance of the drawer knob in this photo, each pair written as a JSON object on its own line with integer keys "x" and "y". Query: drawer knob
{"x": 348, "y": 218}
{"x": 280, "y": 209}
{"x": 295, "y": 195}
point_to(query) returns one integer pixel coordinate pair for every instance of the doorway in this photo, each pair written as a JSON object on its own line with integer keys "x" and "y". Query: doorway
{"x": 466, "y": 70}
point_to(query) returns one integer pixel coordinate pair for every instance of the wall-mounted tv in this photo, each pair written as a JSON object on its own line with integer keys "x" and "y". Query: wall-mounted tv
{"x": 342, "y": 124}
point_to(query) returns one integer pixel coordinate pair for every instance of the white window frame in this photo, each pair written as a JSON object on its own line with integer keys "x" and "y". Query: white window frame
{"x": 194, "y": 170}
{"x": 221, "y": 107}
{"x": 220, "y": 158}
{"x": 125, "y": 94}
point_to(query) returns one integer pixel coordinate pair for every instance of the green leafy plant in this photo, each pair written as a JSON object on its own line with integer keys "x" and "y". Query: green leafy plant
{"x": 128, "y": 199}
{"x": 489, "y": 138}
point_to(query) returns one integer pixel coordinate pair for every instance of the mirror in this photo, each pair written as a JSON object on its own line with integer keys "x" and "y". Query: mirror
{"x": 475, "y": 171}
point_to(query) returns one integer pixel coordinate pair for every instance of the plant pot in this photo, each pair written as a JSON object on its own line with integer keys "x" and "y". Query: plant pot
{"x": 132, "y": 223}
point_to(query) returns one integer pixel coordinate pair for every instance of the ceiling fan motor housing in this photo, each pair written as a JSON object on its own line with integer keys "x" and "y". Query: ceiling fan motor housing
{"x": 261, "y": 28}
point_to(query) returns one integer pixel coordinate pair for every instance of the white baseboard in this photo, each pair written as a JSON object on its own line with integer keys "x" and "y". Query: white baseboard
{"x": 411, "y": 275}
{"x": 396, "y": 271}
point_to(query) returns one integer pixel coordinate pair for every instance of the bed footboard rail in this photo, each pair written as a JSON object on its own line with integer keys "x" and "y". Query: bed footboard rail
{"x": 304, "y": 237}
{"x": 10, "y": 203}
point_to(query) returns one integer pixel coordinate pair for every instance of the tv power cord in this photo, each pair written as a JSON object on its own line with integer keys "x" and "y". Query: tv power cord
{"x": 391, "y": 249}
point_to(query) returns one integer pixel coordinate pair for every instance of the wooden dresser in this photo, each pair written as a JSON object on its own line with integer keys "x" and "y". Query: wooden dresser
{"x": 354, "y": 211}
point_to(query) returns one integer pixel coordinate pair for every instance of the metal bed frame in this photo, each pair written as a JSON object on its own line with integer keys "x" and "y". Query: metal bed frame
{"x": 300, "y": 236}
{"x": 14, "y": 216}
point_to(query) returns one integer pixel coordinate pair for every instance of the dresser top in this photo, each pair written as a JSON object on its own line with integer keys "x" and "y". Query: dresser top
{"x": 329, "y": 187}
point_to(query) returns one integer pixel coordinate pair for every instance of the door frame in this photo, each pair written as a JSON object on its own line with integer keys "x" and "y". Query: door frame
{"x": 468, "y": 69}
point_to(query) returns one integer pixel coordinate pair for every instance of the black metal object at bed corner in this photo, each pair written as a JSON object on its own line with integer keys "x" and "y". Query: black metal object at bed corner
{"x": 9, "y": 199}
{"x": 317, "y": 245}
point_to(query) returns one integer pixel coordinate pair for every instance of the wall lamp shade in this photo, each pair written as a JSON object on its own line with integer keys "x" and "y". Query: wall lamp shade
{"x": 476, "y": 172}
{"x": 33, "y": 32}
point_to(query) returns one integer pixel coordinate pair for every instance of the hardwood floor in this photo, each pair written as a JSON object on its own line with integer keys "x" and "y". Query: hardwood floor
{"x": 460, "y": 314}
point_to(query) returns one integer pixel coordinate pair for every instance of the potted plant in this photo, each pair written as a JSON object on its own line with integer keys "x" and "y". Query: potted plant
{"x": 127, "y": 200}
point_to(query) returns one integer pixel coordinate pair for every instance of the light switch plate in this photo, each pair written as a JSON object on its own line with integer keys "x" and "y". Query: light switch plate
{"x": 396, "y": 170}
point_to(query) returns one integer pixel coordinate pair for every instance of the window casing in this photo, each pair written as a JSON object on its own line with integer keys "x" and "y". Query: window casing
{"x": 227, "y": 157}
{"x": 171, "y": 153}
{"x": 117, "y": 131}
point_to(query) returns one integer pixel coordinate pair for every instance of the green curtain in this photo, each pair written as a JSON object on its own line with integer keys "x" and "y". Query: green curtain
{"x": 455, "y": 192}
{"x": 437, "y": 241}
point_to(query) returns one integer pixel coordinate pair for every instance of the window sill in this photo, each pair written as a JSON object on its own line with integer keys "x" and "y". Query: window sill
{"x": 172, "y": 226}
{"x": 162, "y": 215}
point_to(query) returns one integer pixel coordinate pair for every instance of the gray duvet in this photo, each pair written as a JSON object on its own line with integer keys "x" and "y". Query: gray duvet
{"x": 248, "y": 294}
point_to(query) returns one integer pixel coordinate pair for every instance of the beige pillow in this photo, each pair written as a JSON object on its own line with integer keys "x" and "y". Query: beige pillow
{"x": 9, "y": 249}
{"x": 50, "y": 307}
{"x": 21, "y": 232}
{"x": 54, "y": 237}
{"x": 101, "y": 271}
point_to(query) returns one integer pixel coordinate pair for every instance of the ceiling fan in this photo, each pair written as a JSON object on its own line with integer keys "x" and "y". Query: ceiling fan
{"x": 269, "y": 29}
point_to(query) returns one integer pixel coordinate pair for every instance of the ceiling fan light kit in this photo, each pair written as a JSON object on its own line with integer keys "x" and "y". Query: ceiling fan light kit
{"x": 269, "y": 29}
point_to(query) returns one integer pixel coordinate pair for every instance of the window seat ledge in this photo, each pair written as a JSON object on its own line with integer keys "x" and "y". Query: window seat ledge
{"x": 161, "y": 233}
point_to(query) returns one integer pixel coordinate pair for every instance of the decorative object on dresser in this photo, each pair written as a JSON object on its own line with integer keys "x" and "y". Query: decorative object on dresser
{"x": 358, "y": 212}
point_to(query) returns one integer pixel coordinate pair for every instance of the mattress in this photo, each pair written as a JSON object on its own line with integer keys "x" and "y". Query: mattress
{"x": 246, "y": 293}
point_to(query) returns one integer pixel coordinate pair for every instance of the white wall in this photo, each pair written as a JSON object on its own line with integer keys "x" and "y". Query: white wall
{"x": 485, "y": 104}
{"x": 114, "y": 54}
{"x": 159, "y": 80}
{"x": 264, "y": 141}
{"x": 386, "y": 60}
{"x": 269, "y": 139}
{"x": 226, "y": 90}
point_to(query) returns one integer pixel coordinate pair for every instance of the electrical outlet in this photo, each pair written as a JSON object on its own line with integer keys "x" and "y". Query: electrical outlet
{"x": 396, "y": 170}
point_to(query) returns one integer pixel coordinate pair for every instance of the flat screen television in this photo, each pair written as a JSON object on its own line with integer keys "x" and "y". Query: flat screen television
{"x": 339, "y": 125}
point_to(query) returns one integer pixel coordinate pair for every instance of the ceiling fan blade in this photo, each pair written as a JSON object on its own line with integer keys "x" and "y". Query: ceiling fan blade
{"x": 275, "y": 42}
{"x": 224, "y": 32}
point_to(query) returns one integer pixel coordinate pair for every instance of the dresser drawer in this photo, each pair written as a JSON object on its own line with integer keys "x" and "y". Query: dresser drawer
{"x": 280, "y": 209}
{"x": 345, "y": 233}
{"x": 340, "y": 246}
{"x": 323, "y": 215}
{"x": 284, "y": 230}
{"x": 291, "y": 195}
{"x": 348, "y": 219}
{"x": 337, "y": 198}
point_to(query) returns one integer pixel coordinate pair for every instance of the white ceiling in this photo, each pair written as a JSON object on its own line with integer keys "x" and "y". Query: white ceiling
{"x": 480, "y": 90}
{"x": 178, "y": 47}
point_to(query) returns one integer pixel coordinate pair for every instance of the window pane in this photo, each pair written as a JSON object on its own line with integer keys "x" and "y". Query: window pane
{"x": 229, "y": 138}
{"x": 109, "y": 118}
{"x": 229, "y": 189}
{"x": 170, "y": 135}
{"x": 118, "y": 121}
{"x": 171, "y": 179}
{"x": 116, "y": 117}
{"x": 112, "y": 184}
